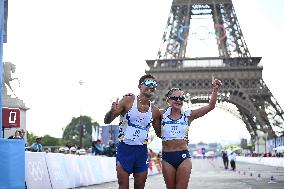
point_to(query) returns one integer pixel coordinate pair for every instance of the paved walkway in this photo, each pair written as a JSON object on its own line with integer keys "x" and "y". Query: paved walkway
{"x": 209, "y": 174}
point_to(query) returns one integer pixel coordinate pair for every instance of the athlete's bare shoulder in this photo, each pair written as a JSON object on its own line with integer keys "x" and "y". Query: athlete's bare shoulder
{"x": 127, "y": 100}
{"x": 129, "y": 97}
{"x": 155, "y": 109}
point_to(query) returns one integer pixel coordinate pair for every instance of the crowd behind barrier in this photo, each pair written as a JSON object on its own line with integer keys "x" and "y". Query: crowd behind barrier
{"x": 268, "y": 154}
{"x": 271, "y": 161}
{"x": 60, "y": 171}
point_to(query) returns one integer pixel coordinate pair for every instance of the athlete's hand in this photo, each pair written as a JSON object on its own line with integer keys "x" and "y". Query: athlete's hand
{"x": 216, "y": 84}
{"x": 114, "y": 105}
{"x": 128, "y": 94}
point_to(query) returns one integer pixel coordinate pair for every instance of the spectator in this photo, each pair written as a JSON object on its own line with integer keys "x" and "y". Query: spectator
{"x": 62, "y": 150}
{"x": 94, "y": 147}
{"x": 97, "y": 147}
{"x": 73, "y": 150}
{"x": 22, "y": 133}
{"x": 67, "y": 150}
{"x": 110, "y": 150}
{"x": 232, "y": 158}
{"x": 48, "y": 150}
{"x": 82, "y": 151}
{"x": 17, "y": 135}
{"x": 225, "y": 159}
{"x": 37, "y": 146}
{"x": 22, "y": 136}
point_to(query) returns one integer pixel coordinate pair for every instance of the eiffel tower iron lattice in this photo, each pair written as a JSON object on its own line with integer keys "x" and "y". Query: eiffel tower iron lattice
{"x": 241, "y": 74}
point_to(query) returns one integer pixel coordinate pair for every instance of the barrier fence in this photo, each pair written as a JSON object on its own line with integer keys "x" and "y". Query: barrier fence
{"x": 271, "y": 161}
{"x": 60, "y": 171}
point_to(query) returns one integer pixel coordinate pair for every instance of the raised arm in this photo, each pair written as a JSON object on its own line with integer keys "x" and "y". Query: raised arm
{"x": 216, "y": 84}
{"x": 117, "y": 108}
{"x": 157, "y": 121}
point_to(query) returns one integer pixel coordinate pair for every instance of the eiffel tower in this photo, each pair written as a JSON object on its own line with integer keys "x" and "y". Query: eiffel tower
{"x": 191, "y": 21}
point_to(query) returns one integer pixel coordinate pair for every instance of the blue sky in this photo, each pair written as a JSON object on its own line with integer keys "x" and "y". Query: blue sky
{"x": 55, "y": 44}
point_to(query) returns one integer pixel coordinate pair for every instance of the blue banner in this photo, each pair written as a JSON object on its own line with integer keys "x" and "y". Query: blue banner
{"x": 4, "y": 40}
{"x": 1, "y": 58}
{"x": 12, "y": 163}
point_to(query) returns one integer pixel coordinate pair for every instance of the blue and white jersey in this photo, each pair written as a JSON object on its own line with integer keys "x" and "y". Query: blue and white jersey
{"x": 134, "y": 125}
{"x": 175, "y": 129}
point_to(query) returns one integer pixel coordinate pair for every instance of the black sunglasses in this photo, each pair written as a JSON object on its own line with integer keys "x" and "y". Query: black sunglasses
{"x": 176, "y": 98}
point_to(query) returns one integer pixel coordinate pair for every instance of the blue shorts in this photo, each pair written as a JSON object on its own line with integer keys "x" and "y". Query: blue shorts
{"x": 176, "y": 158}
{"x": 133, "y": 158}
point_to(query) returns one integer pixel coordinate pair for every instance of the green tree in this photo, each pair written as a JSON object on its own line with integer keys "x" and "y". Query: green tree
{"x": 233, "y": 147}
{"x": 51, "y": 141}
{"x": 71, "y": 133}
{"x": 30, "y": 137}
{"x": 251, "y": 148}
{"x": 46, "y": 140}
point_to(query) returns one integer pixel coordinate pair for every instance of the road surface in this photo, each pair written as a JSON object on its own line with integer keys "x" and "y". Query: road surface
{"x": 210, "y": 174}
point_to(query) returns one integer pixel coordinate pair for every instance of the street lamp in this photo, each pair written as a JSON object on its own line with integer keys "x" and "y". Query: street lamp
{"x": 80, "y": 118}
{"x": 265, "y": 135}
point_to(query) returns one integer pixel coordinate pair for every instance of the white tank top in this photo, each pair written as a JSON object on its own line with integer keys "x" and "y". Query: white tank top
{"x": 134, "y": 125}
{"x": 175, "y": 129}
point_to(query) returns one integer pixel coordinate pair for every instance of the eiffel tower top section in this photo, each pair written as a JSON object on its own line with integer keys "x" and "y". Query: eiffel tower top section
{"x": 202, "y": 19}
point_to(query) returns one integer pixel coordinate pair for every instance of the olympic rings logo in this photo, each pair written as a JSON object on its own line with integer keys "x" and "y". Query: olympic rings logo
{"x": 220, "y": 32}
{"x": 36, "y": 170}
{"x": 58, "y": 175}
{"x": 180, "y": 30}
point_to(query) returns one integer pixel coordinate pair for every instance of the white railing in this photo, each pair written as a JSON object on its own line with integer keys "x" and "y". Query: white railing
{"x": 60, "y": 171}
{"x": 271, "y": 161}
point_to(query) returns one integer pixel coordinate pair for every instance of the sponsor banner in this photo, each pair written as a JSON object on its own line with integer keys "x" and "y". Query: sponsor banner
{"x": 90, "y": 169}
{"x": 112, "y": 168}
{"x": 96, "y": 169}
{"x": 36, "y": 171}
{"x": 82, "y": 161}
{"x": 108, "y": 170}
{"x": 61, "y": 171}
{"x": 12, "y": 164}
{"x": 74, "y": 169}
{"x": 70, "y": 161}
{"x": 58, "y": 176}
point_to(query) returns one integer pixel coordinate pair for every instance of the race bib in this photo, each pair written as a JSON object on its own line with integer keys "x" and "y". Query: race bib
{"x": 174, "y": 131}
{"x": 135, "y": 134}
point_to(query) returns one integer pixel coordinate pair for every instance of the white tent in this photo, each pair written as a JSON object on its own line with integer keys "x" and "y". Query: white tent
{"x": 279, "y": 149}
{"x": 94, "y": 134}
